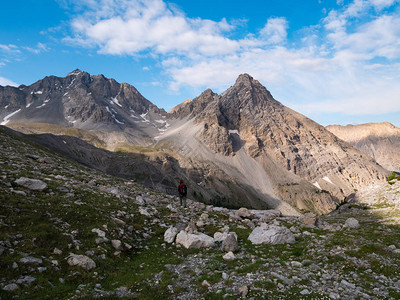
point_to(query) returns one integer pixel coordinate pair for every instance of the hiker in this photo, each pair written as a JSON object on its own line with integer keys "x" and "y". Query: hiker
{"x": 182, "y": 190}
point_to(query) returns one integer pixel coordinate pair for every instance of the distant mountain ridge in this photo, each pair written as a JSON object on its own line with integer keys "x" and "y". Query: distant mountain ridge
{"x": 239, "y": 148}
{"x": 381, "y": 141}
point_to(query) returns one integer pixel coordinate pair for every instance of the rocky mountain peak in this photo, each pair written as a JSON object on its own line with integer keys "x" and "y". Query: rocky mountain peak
{"x": 75, "y": 72}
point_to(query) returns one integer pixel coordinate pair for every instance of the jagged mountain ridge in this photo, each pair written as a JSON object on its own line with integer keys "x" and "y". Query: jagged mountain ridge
{"x": 270, "y": 131}
{"x": 381, "y": 141}
{"x": 81, "y": 100}
{"x": 241, "y": 146}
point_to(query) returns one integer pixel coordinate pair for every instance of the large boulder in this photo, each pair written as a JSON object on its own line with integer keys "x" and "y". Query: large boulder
{"x": 309, "y": 220}
{"x": 190, "y": 240}
{"x": 271, "y": 234}
{"x": 170, "y": 234}
{"x": 82, "y": 261}
{"x": 230, "y": 244}
{"x": 243, "y": 213}
{"x": 32, "y": 184}
{"x": 351, "y": 223}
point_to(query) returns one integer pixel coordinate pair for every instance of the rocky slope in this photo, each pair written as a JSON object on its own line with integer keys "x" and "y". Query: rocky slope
{"x": 240, "y": 148}
{"x": 293, "y": 150}
{"x": 381, "y": 141}
{"x": 84, "y": 101}
{"x": 70, "y": 232}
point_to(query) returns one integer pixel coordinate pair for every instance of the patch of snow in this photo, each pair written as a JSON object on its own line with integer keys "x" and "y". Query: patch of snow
{"x": 317, "y": 185}
{"x": 44, "y": 104}
{"x": 233, "y": 131}
{"x": 71, "y": 82}
{"x": 37, "y": 92}
{"x": 326, "y": 178}
{"x": 29, "y": 104}
{"x": 161, "y": 121}
{"x": 6, "y": 119}
{"x": 115, "y": 100}
{"x": 64, "y": 142}
{"x": 111, "y": 112}
{"x": 47, "y": 100}
{"x": 65, "y": 94}
{"x": 6, "y": 106}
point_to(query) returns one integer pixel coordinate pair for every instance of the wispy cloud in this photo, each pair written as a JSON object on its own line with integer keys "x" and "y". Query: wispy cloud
{"x": 5, "y": 81}
{"x": 349, "y": 62}
{"x": 38, "y": 49}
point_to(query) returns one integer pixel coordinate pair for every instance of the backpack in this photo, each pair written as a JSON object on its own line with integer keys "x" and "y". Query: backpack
{"x": 182, "y": 189}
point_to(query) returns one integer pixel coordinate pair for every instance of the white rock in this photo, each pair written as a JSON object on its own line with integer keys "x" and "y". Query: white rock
{"x": 170, "y": 234}
{"x": 99, "y": 232}
{"x": 144, "y": 212}
{"x": 271, "y": 234}
{"x": 139, "y": 200}
{"x": 117, "y": 244}
{"x": 10, "y": 287}
{"x": 32, "y": 184}
{"x": 57, "y": 251}
{"x": 189, "y": 240}
{"x": 305, "y": 292}
{"x": 229, "y": 256}
{"x": 205, "y": 283}
{"x": 351, "y": 223}
{"x": 30, "y": 260}
{"x": 81, "y": 261}
{"x": 243, "y": 213}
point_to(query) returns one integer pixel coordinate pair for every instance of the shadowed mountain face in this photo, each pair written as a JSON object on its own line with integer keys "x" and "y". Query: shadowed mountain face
{"x": 83, "y": 101}
{"x": 381, "y": 141}
{"x": 238, "y": 148}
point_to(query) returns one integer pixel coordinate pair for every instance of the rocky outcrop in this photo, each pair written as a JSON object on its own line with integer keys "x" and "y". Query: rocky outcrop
{"x": 381, "y": 141}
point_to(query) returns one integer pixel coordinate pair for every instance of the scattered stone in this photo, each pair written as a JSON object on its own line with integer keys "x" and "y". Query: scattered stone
{"x": 271, "y": 234}
{"x": 144, "y": 212}
{"x": 243, "y": 291}
{"x": 118, "y": 221}
{"x": 57, "y": 251}
{"x": 190, "y": 241}
{"x": 351, "y": 223}
{"x": 31, "y": 260}
{"x": 309, "y": 220}
{"x": 32, "y": 184}
{"x": 81, "y": 261}
{"x": 170, "y": 234}
{"x": 305, "y": 292}
{"x": 10, "y": 287}
{"x": 229, "y": 256}
{"x": 243, "y": 213}
{"x": 205, "y": 283}
{"x": 26, "y": 280}
{"x": 99, "y": 232}
{"x": 230, "y": 244}
{"x": 117, "y": 244}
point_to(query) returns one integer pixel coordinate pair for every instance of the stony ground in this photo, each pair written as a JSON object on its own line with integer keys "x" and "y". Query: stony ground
{"x": 119, "y": 226}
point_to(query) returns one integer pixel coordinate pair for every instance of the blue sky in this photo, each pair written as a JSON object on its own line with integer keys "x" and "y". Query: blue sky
{"x": 336, "y": 61}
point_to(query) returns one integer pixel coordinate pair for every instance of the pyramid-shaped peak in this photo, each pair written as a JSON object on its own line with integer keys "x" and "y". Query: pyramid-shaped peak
{"x": 246, "y": 79}
{"x": 75, "y": 72}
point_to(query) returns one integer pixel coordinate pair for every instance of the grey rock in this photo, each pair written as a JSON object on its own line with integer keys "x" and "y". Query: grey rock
{"x": 30, "y": 260}
{"x": 26, "y": 280}
{"x": 32, "y": 184}
{"x": 117, "y": 244}
{"x": 229, "y": 256}
{"x": 190, "y": 240}
{"x": 81, "y": 261}
{"x": 351, "y": 223}
{"x": 10, "y": 287}
{"x": 271, "y": 234}
{"x": 170, "y": 234}
{"x": 230, "y": 244}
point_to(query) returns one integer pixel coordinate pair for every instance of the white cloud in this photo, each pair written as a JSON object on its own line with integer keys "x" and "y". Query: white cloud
{"x": 275, "y": 30}
{"x": 348, "y": 63}
{"x": 5, "y": 81}
{"x": 38, "y": 49}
